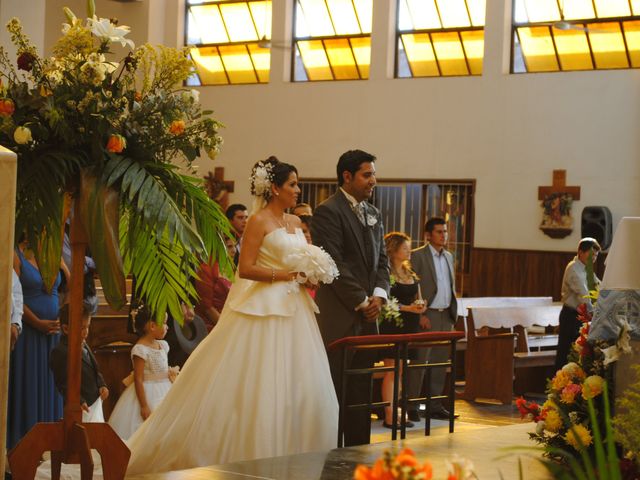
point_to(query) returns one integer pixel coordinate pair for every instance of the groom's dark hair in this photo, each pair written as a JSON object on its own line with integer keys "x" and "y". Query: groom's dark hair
{"x": 350, "y": 162}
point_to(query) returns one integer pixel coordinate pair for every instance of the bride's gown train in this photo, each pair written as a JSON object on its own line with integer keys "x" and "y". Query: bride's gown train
{"x": 258, "y": 386}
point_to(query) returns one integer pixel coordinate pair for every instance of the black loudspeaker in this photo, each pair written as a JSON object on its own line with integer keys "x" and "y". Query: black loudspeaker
{"x": 596, "y": 223}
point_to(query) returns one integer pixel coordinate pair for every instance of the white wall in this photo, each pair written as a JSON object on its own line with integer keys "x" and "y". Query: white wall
{"x": 509, "y": 132}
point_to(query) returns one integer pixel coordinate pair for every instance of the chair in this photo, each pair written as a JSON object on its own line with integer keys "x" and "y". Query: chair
{"x": 401, "y": 345}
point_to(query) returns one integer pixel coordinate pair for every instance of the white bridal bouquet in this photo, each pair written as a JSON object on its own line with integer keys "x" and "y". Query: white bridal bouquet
{"x": 314, "y": 264}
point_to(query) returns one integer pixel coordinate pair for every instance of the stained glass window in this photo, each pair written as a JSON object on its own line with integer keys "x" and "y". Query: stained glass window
{"x": 229, "y": 41}
{"x": 440, "y": 37}
{"x": 332, "y": 40}
{"x": 565, "y": 35}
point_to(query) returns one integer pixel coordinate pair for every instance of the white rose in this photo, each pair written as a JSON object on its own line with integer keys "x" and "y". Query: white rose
{"x": 22, "y": 135}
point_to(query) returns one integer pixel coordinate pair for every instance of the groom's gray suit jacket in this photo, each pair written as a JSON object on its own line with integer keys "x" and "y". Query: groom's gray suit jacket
{"x": 360, "y": 255}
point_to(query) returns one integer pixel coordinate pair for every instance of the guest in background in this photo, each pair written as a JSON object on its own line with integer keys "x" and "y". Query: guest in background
{"x": 306, "y": 226}
{"x": 238, "y": 216}
{"x": 93, "y": 388}
{"x": 574, "y": 292}
{"x": 302, "y": 209}
{"x": 213, "y": 289}
{"x": 17, "y": 303}
{"x": 405, "y": 288}
{"x": 434, "y": 265}
{"x": 32, "y": 393}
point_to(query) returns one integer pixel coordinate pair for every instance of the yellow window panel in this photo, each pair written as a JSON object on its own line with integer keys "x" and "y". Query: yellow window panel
{"x": 420, "y": 55}
{"x": 449, "y": 53}
{"x": 343, "y": 63}
{"x": 238, "y": 64}
{"x": 423, "y": 14}
{"x": 209, "y": 66}
{"x": 364, "y": 10}
{"x": 261, "y": 12}
{"x": 207, "y": 24}
{"x": 316, "y": 18}
{"x": 632, "y": 35}
{"x": 477, "y": 10}
{"x": 537, "y": 49}
{"x": 612, "y": 8}
{"x": 261, "y": 58}
{"x": 453, "y": 13}
{"x": 315, "y": 60}
{"x": 362, "y": 51}
{"x": 577, "y": 9}
{"x": 542, "y": 10}
{"x": 239, "y": 23}
{"x": 607, "y": 45}
{"x": 473, "y": 42}
{"x": 635, "y": 6}
{"x": 343, "y": 16}
{"x": 573, "y": 49}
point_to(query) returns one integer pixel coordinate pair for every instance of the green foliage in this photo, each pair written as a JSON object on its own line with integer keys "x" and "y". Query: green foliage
{"x": 626, "y": 421}
{"x": 121, "y": 126}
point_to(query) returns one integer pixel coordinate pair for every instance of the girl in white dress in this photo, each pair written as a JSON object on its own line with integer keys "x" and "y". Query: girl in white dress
{"x": 259, "y": 385}
{"x": 151, "y": 375}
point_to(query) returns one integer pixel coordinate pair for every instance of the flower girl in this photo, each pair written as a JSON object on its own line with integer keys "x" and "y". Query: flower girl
{"x": 151, "y": 378}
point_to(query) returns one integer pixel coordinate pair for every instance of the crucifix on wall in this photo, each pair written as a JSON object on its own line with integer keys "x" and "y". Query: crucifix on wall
{"x": 557, "y": 200}
{"x": 218, "y": 188}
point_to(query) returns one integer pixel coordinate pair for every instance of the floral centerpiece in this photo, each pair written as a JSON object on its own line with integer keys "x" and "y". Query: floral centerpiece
{"x": 405, "y": 466}
{"x": 106, "y": 134}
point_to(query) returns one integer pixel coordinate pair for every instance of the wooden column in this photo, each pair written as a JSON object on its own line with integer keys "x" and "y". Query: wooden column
{"x": 8, "y": 175}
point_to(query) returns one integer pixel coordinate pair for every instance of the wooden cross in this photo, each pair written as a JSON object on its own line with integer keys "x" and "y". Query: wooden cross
{"x": 219, "y": 188}
{"x": 559, "y": 186}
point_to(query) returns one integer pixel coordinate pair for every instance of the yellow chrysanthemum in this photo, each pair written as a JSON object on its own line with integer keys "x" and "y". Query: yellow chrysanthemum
{"x": 549, "y": 405}
{"x": 580, "y": 432}
{"x": 592, "y": 386}
{"x": 561, "y": 380}
{"x": 552, "y": 421}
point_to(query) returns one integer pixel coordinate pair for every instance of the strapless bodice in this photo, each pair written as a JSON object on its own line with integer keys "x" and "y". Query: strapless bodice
{"x": 261, "y": 299}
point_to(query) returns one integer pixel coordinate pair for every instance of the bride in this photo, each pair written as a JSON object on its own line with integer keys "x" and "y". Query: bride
{"x": 259, "y": 384}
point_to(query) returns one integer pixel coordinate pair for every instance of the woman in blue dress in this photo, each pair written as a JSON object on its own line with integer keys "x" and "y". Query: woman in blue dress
{"x": 32, "y": 393}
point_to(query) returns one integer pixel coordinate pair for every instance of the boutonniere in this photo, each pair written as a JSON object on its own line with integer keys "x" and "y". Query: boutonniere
{"x": 371, "y": 220}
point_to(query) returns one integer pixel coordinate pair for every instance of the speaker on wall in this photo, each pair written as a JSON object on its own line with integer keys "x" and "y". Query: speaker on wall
{"x": 596, "y": 223}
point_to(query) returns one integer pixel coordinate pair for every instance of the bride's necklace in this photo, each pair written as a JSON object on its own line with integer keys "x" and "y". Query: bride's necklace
{"x": 282, "y": 222}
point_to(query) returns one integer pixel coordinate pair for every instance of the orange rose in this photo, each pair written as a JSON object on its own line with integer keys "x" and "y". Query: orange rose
{"x": 116, "y": 144}
{"x": 7, "y": 107}
{"x": 406, "y": 460}
{"x": 362, "y": 473}
{"x": 177, "y": 127}
{"x": 427, "y": 470}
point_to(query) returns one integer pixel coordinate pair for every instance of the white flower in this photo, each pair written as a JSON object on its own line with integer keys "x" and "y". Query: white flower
{"x": 22, "y": 135}
{"x": 460, "y": 468}
{"x": 611, "y": 354}
{"x": 261, "y": 179}
{"x": 540, "y": 427}
{"x": 191, "y": 94}
{"x": 623, "y": 341}
{"x": 314, "y": 263}
{"x": 103, "y": 28}
{"x": 371, "y": 220}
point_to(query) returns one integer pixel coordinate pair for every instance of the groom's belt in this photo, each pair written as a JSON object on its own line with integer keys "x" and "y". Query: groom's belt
{"x": 438, "y": 309}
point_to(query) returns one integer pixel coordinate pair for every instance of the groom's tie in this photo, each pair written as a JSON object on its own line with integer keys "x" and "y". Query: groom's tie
{"x": 358, "y": 209}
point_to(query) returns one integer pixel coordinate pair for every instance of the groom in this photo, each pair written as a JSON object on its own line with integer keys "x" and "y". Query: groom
{"x": 350, "y": 229}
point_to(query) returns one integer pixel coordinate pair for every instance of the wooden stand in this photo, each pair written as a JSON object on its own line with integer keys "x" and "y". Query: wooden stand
{"x": 69, "y": 440}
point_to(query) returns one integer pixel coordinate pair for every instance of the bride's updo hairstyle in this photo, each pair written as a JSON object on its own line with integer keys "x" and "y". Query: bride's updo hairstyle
{"x": 269, "y": 172}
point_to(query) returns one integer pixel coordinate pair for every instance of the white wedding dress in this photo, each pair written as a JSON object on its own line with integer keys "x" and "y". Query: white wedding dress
{"x": 258, "y": 386}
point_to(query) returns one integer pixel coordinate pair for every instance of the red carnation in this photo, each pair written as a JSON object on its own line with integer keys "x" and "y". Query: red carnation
{"x": 26, "y": 61}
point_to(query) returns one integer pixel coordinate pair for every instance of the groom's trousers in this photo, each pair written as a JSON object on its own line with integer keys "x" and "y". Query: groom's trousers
{"x": 357, "y": 425}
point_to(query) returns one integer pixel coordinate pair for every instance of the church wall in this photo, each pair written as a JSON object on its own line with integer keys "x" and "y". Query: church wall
{"x": 508, "y": 132}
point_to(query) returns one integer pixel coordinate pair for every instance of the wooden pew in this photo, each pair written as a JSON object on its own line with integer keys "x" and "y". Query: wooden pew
{"x": 494, "y": 359}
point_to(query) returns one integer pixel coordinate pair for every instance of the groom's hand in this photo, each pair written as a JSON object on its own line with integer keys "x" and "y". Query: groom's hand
{"x": 372, "y": 310}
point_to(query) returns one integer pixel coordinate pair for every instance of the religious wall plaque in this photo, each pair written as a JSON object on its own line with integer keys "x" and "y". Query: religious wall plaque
{"x": 556, "y": 202}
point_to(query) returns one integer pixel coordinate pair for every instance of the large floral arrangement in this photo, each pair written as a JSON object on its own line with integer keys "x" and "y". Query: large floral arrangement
{"x": 405, "y": 466}
{"x": 107, "y": 134}
{"x": 313, "y": 265}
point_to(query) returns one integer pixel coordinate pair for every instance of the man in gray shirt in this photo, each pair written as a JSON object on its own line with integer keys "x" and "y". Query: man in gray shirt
{"x": 573, "y": 294}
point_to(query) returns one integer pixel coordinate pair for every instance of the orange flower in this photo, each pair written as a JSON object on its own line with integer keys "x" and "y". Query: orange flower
{"x": 363, "y": 473}
{"x": 406, "y": 459}
{"x": 116, "y": 144}
{"x": 427, "y": 470}
{"x": 7, "y": 107}
{"x": 177, "y": 127}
